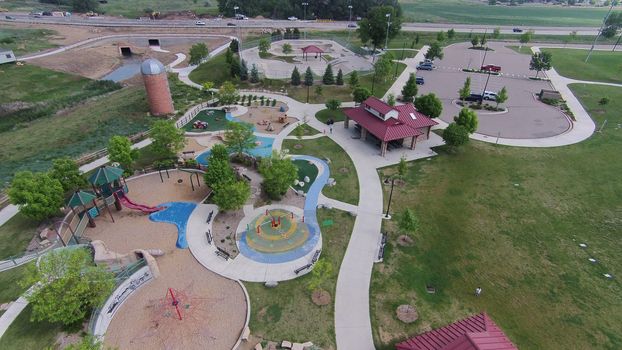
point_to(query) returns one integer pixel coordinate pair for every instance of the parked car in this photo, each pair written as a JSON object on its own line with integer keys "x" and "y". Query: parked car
{"x": 36, "y": 13}
{"x": 47, "y": 13}
{"x": 474, "y": 98}
{"x": 352, "y": 25}
{"x": 517, "y": 30}
{"x": 199, "y": 23}
{"x": 491, "y": 68}
{"x": 292, "y": 18}
{"x": 490, "y": 96}
{"x": 425, "y": 66}
{"x": 231, "y": 24}
{"x": 426, "y": 61}
{"x": 419, "y": 80}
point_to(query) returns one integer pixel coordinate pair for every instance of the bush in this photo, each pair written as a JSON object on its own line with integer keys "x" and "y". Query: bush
{"x": 273, "y": 102}
{"x": 603, "y": 101}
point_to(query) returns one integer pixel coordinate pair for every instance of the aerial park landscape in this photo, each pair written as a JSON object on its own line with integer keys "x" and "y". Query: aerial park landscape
{"x": 416, "y": 174}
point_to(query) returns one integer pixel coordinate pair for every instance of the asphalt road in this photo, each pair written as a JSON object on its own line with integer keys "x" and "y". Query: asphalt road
{"x": 105, "y": 21}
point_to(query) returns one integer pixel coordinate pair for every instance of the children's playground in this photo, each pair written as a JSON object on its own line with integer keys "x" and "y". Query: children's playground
{"x": 265, "y": 119}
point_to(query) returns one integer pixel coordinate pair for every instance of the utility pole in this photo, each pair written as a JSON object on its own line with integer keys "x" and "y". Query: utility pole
{"x": 599, "y": 32}
{"x": 304, "y": 15}
{"x": 386, "y": 43}
{"x": 485, "y": 49}
{"x": 390, "y": 197}
{"x": 485, "y": 86}
{"x": 349, "y": 22}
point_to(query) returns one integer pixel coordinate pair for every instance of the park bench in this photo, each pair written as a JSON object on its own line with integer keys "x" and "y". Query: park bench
{"x": 285, "y": 125}
{"x": 221, "y": 253}
{"x": 246, "y": 177}
{"x": 208, "y": 235}
{"x": 209, "y": 217}
{"x": 300, "y": 269}
{"x": 316, "y": 255}
{"x": 383, "y": 242}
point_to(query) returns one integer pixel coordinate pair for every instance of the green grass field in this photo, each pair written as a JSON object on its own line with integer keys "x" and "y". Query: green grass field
{"x": 326, "y": 114}
{"x": 305, "y": 169}
{"x": 603, "y": 66}
{"x": 477, "y": 12}
{"x": 509, "y": 220}
{"x": 23, "y": 334}
{"x": 341, "y": 166}
{"x": 15, "y": 235}
{"x": 286, "y": 311}
{"x": 23, "y": 41}
{"x": 11, "y": 290}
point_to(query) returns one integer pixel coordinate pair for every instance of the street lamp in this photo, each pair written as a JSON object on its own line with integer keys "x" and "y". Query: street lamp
{"x": 387, "y": 216}
{"x": 386, "y": 43}
{"x": 236, "y": 8}
{"x": 304, "y": 15}
{"x": 349, "y": 21}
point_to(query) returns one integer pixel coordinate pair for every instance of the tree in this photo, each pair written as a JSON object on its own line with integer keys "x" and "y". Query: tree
{"x": 401, "y": 168}
{"x": 231, "y": 195}
{"x": 83, "y": 6}
{"x": 540, "y": 61}
{"x": 468, "y": 119}
{"x": 374, "y": 26}
{"x": 339, "y": 80}
{"x": 329, "y": 77}
{"x": 67, "y": 286}
{"x": 525, "y": 38}
{"x": 322, "y": 270}
{"x": 299, "y": 132}
{"x": 264, "y": 45}
{"x": 296, "y": 33}
{"x": 120, "y": 151}
{"x": 434, "y": 51}
{"x": 308, "y": 77}
{"x": 88, "y": 342}
{"x": 208, "y": 86}
{"x": 612, "y": 25}
{"x": 492, "y": 2}
{"x": 287, "y": 48}
{"x": 441, "y": 36}
{"x": 234, "y": 68}
{"x": 354, "y": 79}
{"x": 451, "y": 33}
{"x": 166, "y": 138}
{"x": 229, "y": 56}
{"x": 407, "y": 222}
{"x": 227, "y": 94}
{"x": 502, "y": 96}
{"x": 218, "y": 172}
{"x": 234, "y": 46}
{"x": 391, "y": 100}
{"x": 319, "y": 90}
{"x": 465, "y": 91}
{"x": 278, "y": 174}
{"x": 455, "y": 135}
{"x": 496, "y": 33}
{"x": 254, "y": 74}
{"x": 360, "y": 94}
{"x": 383, "y": 66}
{"x": 38, "y": 195}
{"x": 243, "y": 71}
{"x": 483, "y": 41}
{"x": 198, "y": 52}
{"x": 429, "y": 105}
{"x": 218, "y": 151}
{"x": 67, "y": 172}
{"x": 239, "y": 137}
{"x": 475, "y": 41}
{"x": 295, "y": 80}
{"x": 333, "y": 104}
{"x": 409, "y": 91}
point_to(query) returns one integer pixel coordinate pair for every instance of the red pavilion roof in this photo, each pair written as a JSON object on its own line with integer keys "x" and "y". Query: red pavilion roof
{"x": 477, "y": 332}
{"x": 312, "y": 49}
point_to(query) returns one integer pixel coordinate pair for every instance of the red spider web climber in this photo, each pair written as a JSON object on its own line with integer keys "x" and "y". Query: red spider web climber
{"x": 179, "y": 320}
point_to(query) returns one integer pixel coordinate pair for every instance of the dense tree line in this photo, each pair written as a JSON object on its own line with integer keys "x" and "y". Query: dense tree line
{"x": 322, "y": 9}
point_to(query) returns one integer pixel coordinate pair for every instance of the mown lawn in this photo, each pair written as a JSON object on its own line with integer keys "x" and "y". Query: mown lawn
{"x": 15, "y": 235}
{"x": 341, "y": 166}
{"x": 307, "y": 130}
{"x": 510, "y": 220}
{"x": 23, "y": 41}
{"x": 605, "y": 66}
{"x": 83, "y": 129}
{"x": 23, "y": 334}
{"x": 136, "y": 8}
{"x": 216, "y": 70}
{"x": 11, "y": 290}
{"x": 325, "y": 114}
{"x": 286, "y": 312}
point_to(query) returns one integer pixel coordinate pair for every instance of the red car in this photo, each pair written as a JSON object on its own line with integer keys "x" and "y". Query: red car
{"x": 491, "y": 68}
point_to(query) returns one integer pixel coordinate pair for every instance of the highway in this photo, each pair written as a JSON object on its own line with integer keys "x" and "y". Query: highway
{"x": 106, "y": 21}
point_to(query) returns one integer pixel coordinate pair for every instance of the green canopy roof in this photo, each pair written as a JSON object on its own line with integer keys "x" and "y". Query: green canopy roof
{"x": 105, "y": 174}
{"x": 81, "y": 198}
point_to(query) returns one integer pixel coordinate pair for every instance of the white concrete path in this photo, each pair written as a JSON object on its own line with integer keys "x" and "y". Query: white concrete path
{"x": 411, "y": 67}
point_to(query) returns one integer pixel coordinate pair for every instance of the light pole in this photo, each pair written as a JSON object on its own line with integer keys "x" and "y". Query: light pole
{"x": 387, "y": 216}
{"x": 304, "y": 15}
{"x": 235, "y": 8}
{"x": 386, "y": 43}
{"x": 349, "y": 22}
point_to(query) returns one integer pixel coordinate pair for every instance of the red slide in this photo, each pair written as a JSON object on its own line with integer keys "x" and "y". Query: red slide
{"x": 145, "y": 209}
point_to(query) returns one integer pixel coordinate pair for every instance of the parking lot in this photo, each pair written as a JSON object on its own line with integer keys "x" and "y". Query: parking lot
{"x": 526, "y": 117}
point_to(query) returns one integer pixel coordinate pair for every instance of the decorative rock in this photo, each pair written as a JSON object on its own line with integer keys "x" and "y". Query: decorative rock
{"x": 407, "y": 313}
{"x": 271, "y": 284}
{"x": 298, "y": 346}
{"x": 286, "y": 344}
{"x": 44, "y": 233}
{"x": 320, "y": 297}
{"x": 271, "y": 345}
{"x": 258, "y": 347}
{"x": 307, "y": 179}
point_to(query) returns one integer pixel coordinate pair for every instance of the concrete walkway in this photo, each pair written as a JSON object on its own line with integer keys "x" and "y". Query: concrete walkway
{"x": 13, "y": 311}
{"x": 411, "y": 67}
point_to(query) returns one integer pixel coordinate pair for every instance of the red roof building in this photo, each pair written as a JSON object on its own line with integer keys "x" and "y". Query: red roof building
{"x": 477, "y": 332}
{"x": 312, "y": 49}
{"x": 391, "y": 125}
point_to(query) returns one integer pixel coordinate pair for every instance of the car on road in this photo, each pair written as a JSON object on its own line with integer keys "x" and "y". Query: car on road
{"x": 490, "y": 96}
{"x": 517, "y": 30}
{"x": 9, "y": 17}
{"x": 231, "y": 24}
{"x": 474, "y": 98}
{"x": 352, "y": 25}
{"x": 491, "y": 68}
{"x": 425, "y": 66}
{"x": 199, "y": 23}
{"x": 292, "y": 18}
{"x": 419, "y": 80}
{"x": 240, "y": 17}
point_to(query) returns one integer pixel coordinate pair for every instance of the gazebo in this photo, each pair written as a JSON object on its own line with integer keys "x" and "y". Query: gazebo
{"x": 106, "y": 181}
{"x": 311, "y": 49}
{"x": 87, "y": 202}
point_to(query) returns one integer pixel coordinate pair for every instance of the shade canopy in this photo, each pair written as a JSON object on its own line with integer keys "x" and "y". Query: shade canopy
{"x": 81, "y": 198}
{"x": 105, "y": 174}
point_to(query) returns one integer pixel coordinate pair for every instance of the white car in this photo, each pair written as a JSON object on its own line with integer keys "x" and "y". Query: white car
{"x": 292, "y": 18}
{"x": 490, "y": 96}
{"x": 199, "y": 23}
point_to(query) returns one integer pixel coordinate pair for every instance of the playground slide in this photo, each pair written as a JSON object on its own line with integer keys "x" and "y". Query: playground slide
{"x": 145, "y": 209}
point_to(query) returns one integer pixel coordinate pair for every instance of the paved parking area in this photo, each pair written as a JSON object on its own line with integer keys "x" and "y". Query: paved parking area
{"x": 527, "y": 118}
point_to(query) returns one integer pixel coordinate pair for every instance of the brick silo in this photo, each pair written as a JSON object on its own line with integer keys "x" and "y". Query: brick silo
{"x": 156, "y": 84}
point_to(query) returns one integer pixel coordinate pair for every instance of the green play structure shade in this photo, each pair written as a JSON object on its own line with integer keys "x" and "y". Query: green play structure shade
{"x": 81, "y": 198}
{"x": 105, "y": 175}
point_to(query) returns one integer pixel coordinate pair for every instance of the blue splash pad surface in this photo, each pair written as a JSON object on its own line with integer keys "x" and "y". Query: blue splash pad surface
{"x": 176, "y": 213}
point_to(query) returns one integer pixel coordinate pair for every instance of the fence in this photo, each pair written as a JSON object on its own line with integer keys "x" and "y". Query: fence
{"x": 87, "y": 158}
{"x": 191, "y": 113}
